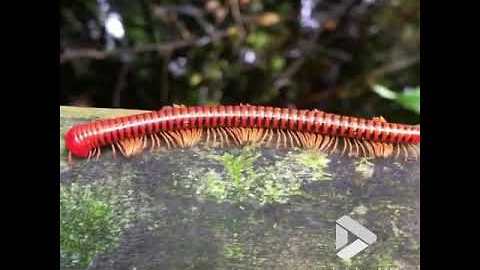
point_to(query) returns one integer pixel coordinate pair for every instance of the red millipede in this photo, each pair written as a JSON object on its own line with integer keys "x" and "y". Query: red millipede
{"x": 184, "y": 126}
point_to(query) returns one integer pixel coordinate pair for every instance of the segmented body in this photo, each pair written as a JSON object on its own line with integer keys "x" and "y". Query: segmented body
{"x": 82, "y": 139}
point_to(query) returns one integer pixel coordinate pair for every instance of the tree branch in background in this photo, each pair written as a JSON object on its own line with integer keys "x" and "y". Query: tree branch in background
{"x": 189, "y": 10}
{"x": 150, "y": 25}
{"x": 237, "y": 16}
{"x": 284, "y": 78}
{"x": 162, "y": 48}
{"x": 390, "y": 68}
{"x": 311, "y": 44}
{"x": 121, "y": 84}
{"x": 164, "y": 90}
{"x": 350, "y": 91}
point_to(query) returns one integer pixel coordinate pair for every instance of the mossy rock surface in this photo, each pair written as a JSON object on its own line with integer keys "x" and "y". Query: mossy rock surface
{"x": 232, "y": 208}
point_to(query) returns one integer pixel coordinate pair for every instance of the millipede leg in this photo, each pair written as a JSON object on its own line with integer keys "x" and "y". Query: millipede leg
{"x": 344, "y": 147}
{"x": 70, "y": 161}
{"x": 278, "y": 140}
{"x": 350, "y": 148}
{"x": 417, "y": 150}
{"x": 250, "y": 138}
{"x": 284, "y": 138}
{"x": 380, "y": 149}
{"x": 313, "y": 140}
{"x": 405, "y": 151}
{"x": 152, "y": 145}
{"x": 373, "y": 148}
{"x": 198, "y": 135}
{"x": 221, "y": 133}
{"x": 225, "y": 132}
{"x": 317, "y": 140}
{"x": 179, "y": 137}
{"x": 161, "y": 136}
{"x": 358, "y": 146}
{"x": 99, "y": 151}
{"x": 214, "y": 137}
{"x": 174, "y": 138}
{"x": 255, "y": 136}
{"x": 145, "y": 141}
{"x": 125, "y": 147}
{"x": 264, "y": 136}
{"x": 247, "y": 136}
{"x": 120, "y": 147}
{"x": 307, "y": 140}
{"x": 171, "y": 137}
{"x": 166, "y": 138}
{"x": 301, "y": 140}
{"x": 244, "y": 134}
{"x": 270, "y": 136}
{"x": 157, "y": 140}
{"x": 289, "y": 139}
{"x": 207, "y": 140}
{"x": 236, "y": 136}
{"x": 359, "y": 151}
{"x": 353, "y": 145}
{"x": 325, "y": 143}
{"x": 297, "y": 139}
{"x": 388, "y": 150}
{"x": 370, "y": 148}
{"x": 334, "y": 148}
{"x": 240, "y": 134}
{"x": 414, "y": 151}
{"x": 397, "y": 153}
{"x": 330, "y": 143}
{"x": 90, "y": 153}
{"x": 230, "y": 132}
{"x": 293, "y": 138}
{"x": 384, "y": 149}
{"x": 187, "y": 137}
{"x": 361, "y": 148}
{"x": 114, "y": 154}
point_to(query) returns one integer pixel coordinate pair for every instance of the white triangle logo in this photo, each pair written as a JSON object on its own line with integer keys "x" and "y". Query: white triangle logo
{"x": 365, "y": 238}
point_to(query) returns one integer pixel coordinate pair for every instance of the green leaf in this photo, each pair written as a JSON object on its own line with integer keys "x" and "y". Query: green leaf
{"x": 384, "y": 92}
{"x": 409, "y": 98}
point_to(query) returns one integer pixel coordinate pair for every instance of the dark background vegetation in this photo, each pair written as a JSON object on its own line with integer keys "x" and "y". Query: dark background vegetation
{"x": 358, "y": 57}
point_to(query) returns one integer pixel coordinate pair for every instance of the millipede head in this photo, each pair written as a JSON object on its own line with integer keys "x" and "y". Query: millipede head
{"x": 77, "y": 147}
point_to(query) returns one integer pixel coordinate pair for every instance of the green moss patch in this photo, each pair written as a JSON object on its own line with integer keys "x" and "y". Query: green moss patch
{"x": 91, "y": 221}
{"x": 248, "y": 176}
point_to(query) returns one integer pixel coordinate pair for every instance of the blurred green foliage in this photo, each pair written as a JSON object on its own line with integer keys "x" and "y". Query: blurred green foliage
{"x": 280, "y": 53}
